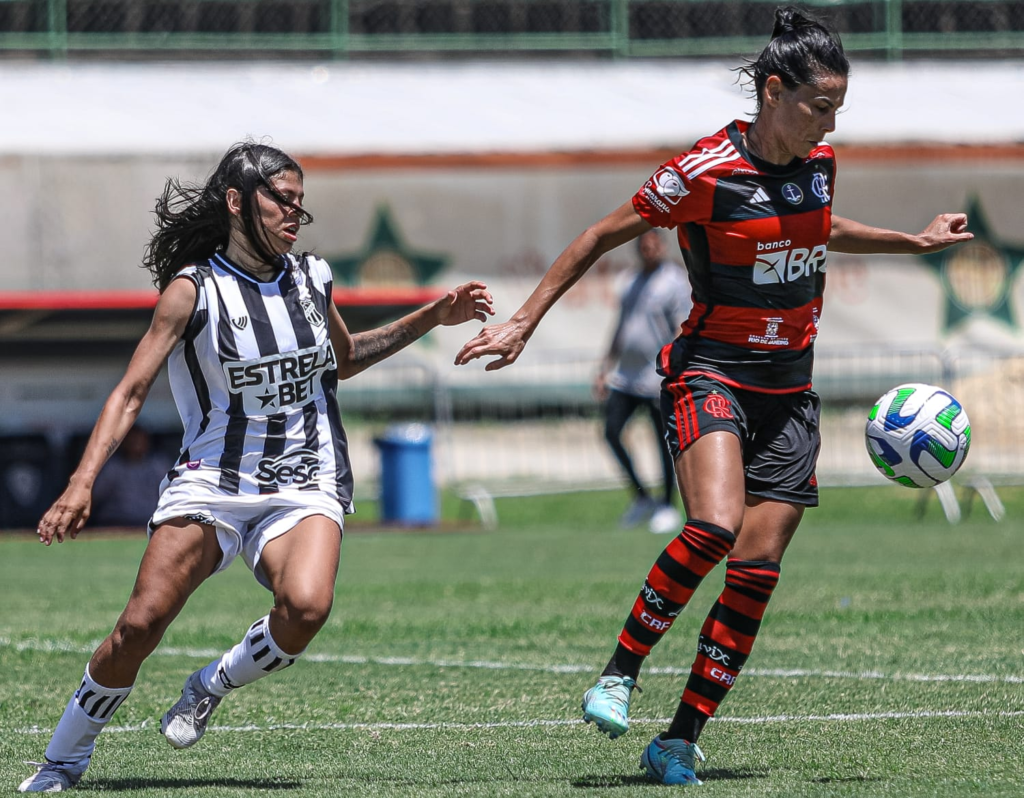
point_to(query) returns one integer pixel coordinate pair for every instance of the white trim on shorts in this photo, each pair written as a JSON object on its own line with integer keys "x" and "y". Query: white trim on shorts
{"x": 245, "y": 523}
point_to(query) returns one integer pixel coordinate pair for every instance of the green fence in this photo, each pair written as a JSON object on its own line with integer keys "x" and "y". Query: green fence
{"x": 320, "y": 29}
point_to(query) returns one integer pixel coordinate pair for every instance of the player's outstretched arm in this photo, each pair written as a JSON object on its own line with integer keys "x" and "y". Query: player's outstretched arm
{"x": 357, "y": 352}
{"x": 69, "y": 513}
{"x": 855, "y": 238}
{"x": 507, "y": 340}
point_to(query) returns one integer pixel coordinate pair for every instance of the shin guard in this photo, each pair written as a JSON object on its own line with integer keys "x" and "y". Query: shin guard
{"x": 255, "y": 657}
{"x": 727, "y": 636}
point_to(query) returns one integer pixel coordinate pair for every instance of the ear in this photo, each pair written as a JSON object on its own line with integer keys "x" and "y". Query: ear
{"x": 773, "y": 87}
{"x": 234, "y": 201}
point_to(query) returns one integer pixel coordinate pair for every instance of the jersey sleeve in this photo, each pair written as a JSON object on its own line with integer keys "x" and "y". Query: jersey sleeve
{"x": 671, "y": 198}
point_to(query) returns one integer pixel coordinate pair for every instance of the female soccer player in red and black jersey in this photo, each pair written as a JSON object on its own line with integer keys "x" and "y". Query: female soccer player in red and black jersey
{"x": 752, "y": 208}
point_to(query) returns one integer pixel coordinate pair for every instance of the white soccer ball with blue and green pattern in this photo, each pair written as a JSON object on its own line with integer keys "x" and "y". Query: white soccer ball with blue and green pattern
{"x": 918, "y": 435}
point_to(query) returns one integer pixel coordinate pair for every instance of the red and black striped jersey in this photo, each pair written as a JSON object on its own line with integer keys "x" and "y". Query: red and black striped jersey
{"x": 754, "y": 238}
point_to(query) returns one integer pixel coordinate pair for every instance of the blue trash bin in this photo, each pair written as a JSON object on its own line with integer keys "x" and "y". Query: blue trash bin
{"x": 407, "y": 493}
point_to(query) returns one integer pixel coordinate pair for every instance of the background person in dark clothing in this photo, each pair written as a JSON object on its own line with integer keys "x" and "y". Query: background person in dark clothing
{"x": 654, "y": 303}
{"x": 126, "y": 490}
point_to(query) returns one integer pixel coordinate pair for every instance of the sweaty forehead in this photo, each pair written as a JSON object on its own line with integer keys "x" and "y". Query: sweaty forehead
{"x": 827, "y": 85}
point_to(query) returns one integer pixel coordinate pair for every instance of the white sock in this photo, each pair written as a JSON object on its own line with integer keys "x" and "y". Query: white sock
{"x": 255, "y": 657}
{"x": 89, "y": 710}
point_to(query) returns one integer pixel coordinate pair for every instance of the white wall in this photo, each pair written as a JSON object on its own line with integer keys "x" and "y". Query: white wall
{"x": 332, "y": 108}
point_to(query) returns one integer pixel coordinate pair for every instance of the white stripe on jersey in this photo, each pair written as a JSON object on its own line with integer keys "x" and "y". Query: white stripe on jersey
{"x": 725, "y": 157}
{"x": 693, "y": 158}
{"x": 712, "y": 164}
{"x": 243, "y": 328}
{"x": 691, "y": 164}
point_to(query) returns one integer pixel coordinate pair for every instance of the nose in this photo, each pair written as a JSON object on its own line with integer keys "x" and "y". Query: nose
{"x": 828, "y": 124}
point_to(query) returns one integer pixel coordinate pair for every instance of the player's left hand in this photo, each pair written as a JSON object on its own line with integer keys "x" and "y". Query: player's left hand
{"x": 66, "y": 516}
{"x": 469, "y": 301}
{"x": 945, "y": 230}
{"x": 506, "y": 340}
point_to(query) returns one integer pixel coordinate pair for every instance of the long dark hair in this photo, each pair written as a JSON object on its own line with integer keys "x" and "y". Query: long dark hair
{"x": 192, "y": 219}
{"x": 801, "y": 50}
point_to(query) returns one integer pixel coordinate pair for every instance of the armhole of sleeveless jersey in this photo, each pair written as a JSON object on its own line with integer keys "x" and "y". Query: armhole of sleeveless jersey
{"x": 193, "y": 276}
{"x": 328, "y": 285}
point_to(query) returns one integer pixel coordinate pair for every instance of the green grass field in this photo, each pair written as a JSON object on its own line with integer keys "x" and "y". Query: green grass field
{"x": 889, "y": 663}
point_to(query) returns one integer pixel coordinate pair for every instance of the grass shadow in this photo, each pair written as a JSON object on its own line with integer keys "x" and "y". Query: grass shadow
{"x": 186, "y": 785}
{"x": 599, "y": 782}
{"x": 727, "y": 774}
{"x": 711, "y": 774}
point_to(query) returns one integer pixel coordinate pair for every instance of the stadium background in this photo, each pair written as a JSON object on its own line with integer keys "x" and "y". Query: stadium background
{"x": 472, "y": 138}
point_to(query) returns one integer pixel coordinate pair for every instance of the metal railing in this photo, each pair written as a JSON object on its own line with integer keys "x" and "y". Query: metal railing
{"x": 341, "y": 29}
{"x": 537, "y": 425}
{"x": 536, "y": 428}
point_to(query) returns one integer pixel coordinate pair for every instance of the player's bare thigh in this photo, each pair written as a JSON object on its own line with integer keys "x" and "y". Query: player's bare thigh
{"x": 301, "y": 567}
{"x": 180, "y": 555}
{"x": 711, "y": 481}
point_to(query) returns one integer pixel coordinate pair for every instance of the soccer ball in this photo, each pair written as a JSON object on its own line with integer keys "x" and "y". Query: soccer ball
{"x": 917, "y": 435}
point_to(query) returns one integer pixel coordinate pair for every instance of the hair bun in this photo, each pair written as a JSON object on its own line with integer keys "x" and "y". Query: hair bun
{"x": 789, "y": 19}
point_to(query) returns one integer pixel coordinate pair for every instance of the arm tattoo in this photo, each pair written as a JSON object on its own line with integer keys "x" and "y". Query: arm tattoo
{"x": 374, "y": 346}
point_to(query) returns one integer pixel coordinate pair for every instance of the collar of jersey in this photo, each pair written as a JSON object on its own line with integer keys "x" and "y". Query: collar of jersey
{"x": 220, "y": 259}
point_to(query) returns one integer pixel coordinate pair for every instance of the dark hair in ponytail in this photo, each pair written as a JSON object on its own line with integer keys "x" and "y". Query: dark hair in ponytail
{"x": 802, "y": 49}
{"x": 193, "y": 221}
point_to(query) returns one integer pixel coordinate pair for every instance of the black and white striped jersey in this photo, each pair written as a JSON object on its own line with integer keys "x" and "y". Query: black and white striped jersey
{"x": 255, "y": 382}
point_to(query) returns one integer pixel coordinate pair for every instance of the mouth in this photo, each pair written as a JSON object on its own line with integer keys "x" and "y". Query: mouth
{"x": 290, "y": 233}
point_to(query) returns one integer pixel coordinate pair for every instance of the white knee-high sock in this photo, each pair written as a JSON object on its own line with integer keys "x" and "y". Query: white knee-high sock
{"x": 255, "y": 657}
{"x": 89, "y": 710}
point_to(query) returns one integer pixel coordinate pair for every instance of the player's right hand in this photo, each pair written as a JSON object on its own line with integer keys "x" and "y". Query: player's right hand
{"x": 943, "y": 231}
{"x": 506, "y": 340}
{"x": 67, "y": 516}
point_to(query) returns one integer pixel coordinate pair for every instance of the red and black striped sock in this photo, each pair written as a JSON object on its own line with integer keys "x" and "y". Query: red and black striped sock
{"x": 668, "y": 588}
{"x": 725, "y": 642}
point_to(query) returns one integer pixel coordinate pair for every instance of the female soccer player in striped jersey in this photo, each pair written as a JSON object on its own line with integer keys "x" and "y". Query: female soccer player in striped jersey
{"x": 255, "y": 347}
{"x": 752, "y": 208}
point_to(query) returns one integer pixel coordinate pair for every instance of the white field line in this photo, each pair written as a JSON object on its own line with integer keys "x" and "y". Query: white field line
{"x": 35, "y": 644}
{"x": 524, "y": 724}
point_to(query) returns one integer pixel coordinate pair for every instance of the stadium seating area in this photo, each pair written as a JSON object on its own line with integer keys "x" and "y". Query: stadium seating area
{"x": 34, "y": 468}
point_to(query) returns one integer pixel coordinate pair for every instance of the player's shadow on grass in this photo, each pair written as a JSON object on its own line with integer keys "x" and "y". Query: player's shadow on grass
{"x": 710, "y": 774}
{"x": 186, "y": 785}
{"x": 844, "y": 779}
{"x": 597, "y": 782}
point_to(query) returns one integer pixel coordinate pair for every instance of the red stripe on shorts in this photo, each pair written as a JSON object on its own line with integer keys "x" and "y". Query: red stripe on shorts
{"x": 687, "y": 427}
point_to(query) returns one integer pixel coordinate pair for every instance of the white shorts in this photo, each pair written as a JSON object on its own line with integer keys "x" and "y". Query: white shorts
{"x": 245, "y": 523}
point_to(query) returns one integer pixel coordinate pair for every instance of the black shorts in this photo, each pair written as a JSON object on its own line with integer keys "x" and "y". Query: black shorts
{"x": 779, "y": 433}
